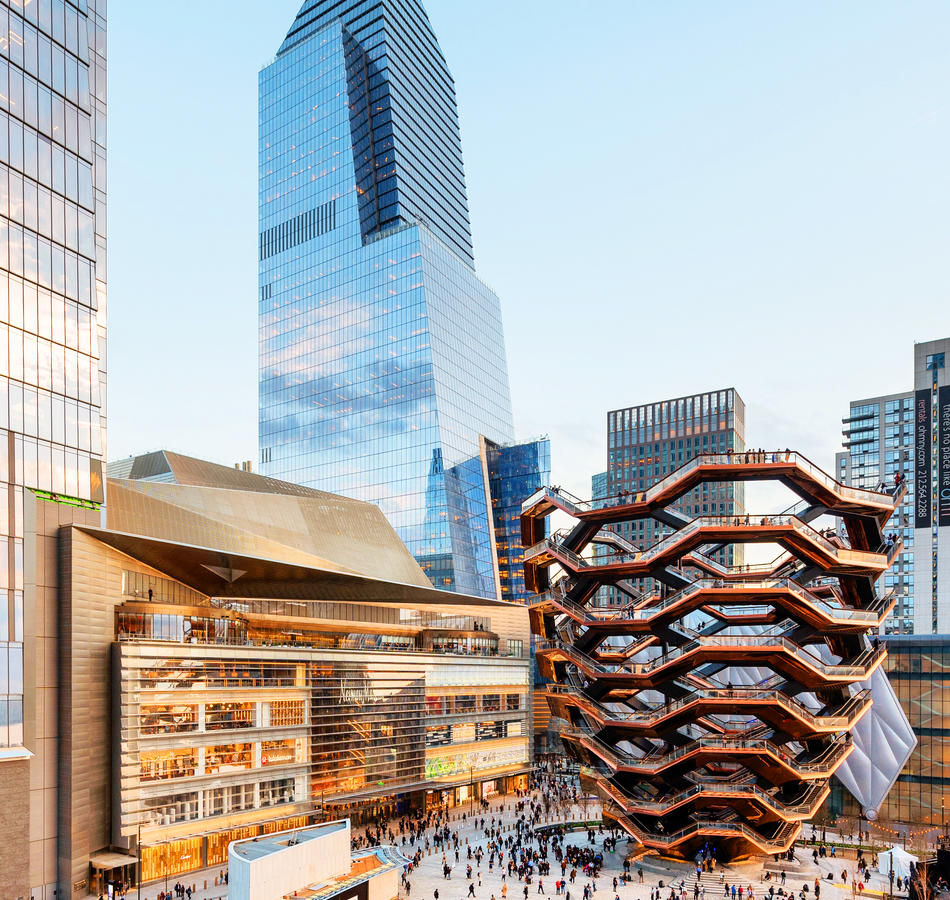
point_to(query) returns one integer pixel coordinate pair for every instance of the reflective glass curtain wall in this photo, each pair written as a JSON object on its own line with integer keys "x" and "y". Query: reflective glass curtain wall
{"x": 515, "y": 472}
{"x": 381, "y": 353}
{"x": 52, "y": 285}
{"x": 918, "y": 666}
{"x": 879, "y": 441}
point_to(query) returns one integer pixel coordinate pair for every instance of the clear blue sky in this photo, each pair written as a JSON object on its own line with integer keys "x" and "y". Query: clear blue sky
{"x": 668, "y": 197}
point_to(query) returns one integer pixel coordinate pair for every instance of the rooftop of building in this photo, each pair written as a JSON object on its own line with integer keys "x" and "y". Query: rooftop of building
{"x": 176, "y": 468}
{"x": 265, "y": 845}
{"x": 737, "y": 399}
{"x": 227, "y": 532}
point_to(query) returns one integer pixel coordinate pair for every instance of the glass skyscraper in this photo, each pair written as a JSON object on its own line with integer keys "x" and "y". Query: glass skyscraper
{"x": 908, "y": 433}
{"x": 514, "y": 472}
{"x": 382, "y": 355}
{"x": 52, "y": 382}
{"x": 879, "y": 436}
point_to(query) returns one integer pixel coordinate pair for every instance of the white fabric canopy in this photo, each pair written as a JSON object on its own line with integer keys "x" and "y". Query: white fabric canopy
{"x": 899, "y": 859}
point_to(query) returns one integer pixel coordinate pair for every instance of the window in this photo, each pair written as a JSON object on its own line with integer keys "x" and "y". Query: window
{"x": 228, "y": 758}
{"x": 274, "y": 792}
{"x": 491, "y": 703}
{"x": 220, "y": 716}
{"x": 159, "y": 765}
{"x": 287, "y": 712}
{"x": 281, "y": 753}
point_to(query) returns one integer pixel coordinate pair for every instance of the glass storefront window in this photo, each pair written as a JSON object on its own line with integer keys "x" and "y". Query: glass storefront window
{"x": 282, "y": 753}
{"x": 157, "y": 765}
{"x": 172, "y": 858}
{"x": 220, "y": 716}
{"x": 228, "y": 758}
{"x": 169, "y": 718}
{"x": 218, "y": 843}
{"x": 171, "y": 808}
{"x": 276, "y": 792}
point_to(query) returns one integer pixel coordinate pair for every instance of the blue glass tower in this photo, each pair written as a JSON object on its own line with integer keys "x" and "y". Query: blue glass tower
{"x": 382, "y": 355}
{"x": 515, "y": 472}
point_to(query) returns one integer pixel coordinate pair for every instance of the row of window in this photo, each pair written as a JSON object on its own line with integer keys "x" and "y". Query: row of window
{"x": 169, "y": 809}
{"x": 220, "y": 759}
{"x": 301, "y": 228}
{"x": 178, "y": 718}
{"x": 471, "y": 732}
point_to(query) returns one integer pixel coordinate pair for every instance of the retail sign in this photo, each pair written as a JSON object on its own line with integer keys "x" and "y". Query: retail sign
{"x": 922, "y": 491}
{"x": 464, "y": 763}
{"x": 943, "y": 456}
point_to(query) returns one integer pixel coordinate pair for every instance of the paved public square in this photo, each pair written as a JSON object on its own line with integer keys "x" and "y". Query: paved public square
{"x": 427, "y": 877}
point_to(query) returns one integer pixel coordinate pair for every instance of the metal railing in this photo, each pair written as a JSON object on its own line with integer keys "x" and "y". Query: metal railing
{"x": 555, "y": 543}
{"x": 839, "y": 719}
{"x": 651, "y": 607}
{"x": 779, "y": 841}
{"x": 814, "y": 794}
{"x": 822, "y": 765}
{"x": 717, "y": 460}
{"x": 856, "y": 669}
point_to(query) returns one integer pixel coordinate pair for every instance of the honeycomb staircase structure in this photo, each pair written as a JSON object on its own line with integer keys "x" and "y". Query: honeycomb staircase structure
{"x": 712, "y": 712}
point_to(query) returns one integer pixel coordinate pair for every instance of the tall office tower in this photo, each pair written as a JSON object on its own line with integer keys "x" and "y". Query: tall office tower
{"x": 382, "y": 356}
{"x": 879, "y": 437}
{"x": 513, "y": 472}
{"x": 645, "y": 443}
{"x": 52, "y": 382}
{"x": 909, "y": 433}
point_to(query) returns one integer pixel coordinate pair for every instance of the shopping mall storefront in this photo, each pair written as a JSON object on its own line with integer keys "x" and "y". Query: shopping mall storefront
{"x": 205, "y": 851}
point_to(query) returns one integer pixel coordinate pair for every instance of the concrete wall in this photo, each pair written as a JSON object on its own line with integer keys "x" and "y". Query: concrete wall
{"x": 41, "y": 728}
{"x": 90, "y": 590}
{"x": 14, "y": 815}
{"x": 385, "y": 886}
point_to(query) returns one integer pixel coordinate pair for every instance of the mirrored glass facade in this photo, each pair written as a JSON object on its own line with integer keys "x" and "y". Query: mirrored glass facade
{"x": 514, "y": 472}
{"x": 381, "y": 352}
{"x": 918, "y": 666}
{"x": 907, "y": 435}
{"x": 879, "y": 437}
{"x": 52, "y": 290}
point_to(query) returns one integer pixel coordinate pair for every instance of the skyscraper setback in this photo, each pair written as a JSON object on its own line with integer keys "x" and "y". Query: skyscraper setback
{"x": 52, "y": 383}
{"x": 382, "y": 355}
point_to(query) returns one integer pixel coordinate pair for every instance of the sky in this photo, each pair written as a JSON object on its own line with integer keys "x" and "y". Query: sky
{"x": 669, "y": 198}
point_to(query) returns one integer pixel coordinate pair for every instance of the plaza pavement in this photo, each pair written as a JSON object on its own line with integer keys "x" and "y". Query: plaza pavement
{"x": 427, "y": 876}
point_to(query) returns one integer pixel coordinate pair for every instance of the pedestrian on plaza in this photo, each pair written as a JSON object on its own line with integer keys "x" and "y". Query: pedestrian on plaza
{"x": 471, "y": 889}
